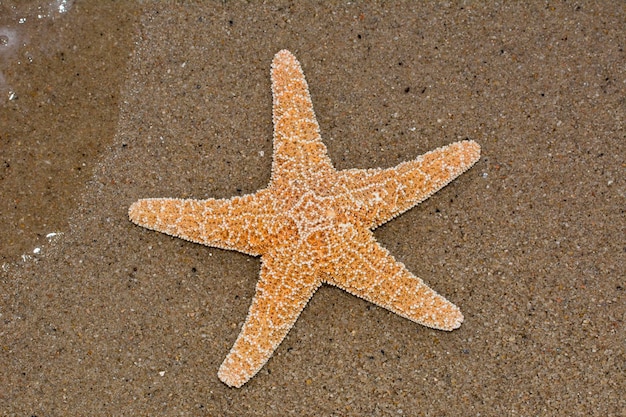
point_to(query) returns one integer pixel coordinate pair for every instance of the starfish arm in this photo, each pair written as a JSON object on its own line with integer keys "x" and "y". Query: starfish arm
{"x": 369, "y": 271}
{"x": 383, "y": 194}
{"x": 298, "y": 147}
{"x": 235, "y": 224}
{"x": 282, "y": 292}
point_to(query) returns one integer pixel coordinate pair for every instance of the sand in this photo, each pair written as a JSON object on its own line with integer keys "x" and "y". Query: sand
{"x": 163, "y": 100}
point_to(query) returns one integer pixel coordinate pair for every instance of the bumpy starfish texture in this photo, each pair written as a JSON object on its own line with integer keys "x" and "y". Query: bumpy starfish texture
{"x": 312, "y": 225}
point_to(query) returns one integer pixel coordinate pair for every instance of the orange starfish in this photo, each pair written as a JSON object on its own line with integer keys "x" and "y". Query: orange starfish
{"x": 312, "y": 225}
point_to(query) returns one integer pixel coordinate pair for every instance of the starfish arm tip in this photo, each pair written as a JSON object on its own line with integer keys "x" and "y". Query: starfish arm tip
{"x": 453, "y": 320}
{"x": 473, "y": 149}
{"x": 134, "y": 211}
{"x": 458, "y": 320}
{"x": 282, "y": 56}
{"x": 229, "y": 378}
{"x": 283, "y": 52}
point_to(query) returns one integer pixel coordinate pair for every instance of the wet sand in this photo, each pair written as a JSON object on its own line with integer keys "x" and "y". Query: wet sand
{"x": 174, "y": 101}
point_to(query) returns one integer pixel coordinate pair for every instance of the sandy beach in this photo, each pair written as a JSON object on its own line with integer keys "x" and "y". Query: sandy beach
{"x": 104, "y": 105}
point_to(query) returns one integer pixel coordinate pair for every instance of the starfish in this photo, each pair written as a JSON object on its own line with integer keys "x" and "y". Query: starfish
{"x": 313, "y": 225}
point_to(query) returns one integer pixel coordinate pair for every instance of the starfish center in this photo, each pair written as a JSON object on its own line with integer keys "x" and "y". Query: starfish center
{"x": 314, "y": 213}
